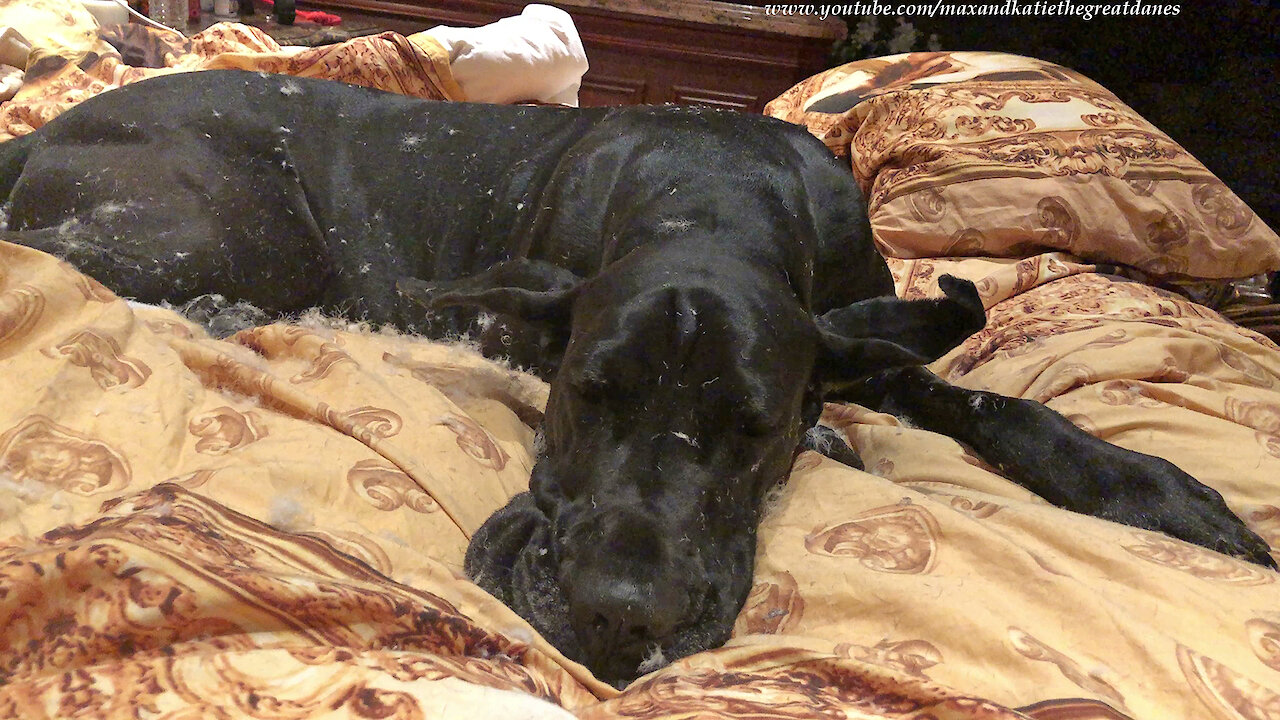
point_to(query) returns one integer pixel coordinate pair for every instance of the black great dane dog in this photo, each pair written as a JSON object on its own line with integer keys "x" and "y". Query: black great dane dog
{"x": 693, "y": 283}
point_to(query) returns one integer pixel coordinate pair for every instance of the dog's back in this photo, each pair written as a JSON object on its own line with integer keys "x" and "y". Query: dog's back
{"x": 285, "y": 192}
{"x": 291, "y": 193}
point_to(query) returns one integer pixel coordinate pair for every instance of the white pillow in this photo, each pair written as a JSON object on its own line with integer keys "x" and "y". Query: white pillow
{"x": 536, "y": 55}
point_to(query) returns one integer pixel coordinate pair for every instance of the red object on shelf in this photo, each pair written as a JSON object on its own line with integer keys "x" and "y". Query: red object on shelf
{"x": 315, "y": 16}
{"x": 193, "y": 10}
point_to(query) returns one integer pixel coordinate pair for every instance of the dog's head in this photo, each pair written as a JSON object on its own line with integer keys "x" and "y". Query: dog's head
{"x": 679, "y": 401}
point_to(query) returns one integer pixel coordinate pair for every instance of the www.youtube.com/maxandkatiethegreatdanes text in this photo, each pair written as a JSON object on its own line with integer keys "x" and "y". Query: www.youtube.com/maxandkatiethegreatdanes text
{"x": 1008, "y": 8}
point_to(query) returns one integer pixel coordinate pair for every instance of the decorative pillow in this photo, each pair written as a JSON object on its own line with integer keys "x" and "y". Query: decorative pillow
{"x": 974, "y": 153}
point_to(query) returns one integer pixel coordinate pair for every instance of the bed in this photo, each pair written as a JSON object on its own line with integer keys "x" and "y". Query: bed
{"x": 273, "y": 525}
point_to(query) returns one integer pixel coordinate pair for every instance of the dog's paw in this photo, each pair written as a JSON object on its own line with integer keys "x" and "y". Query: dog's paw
{"x": 222, "y": 317}
{"x": 1154, "y": 494}
{"x": 826, "y": 441}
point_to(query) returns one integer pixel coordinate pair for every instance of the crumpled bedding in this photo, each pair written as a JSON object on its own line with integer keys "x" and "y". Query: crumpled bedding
{"x": 273, "y": 525}
{"x": 534, "y": 57}
{"x": 417, "y": 66}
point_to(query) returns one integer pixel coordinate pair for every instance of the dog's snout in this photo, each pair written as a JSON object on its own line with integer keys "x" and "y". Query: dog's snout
{"x": 630, "y": 588}
{"x": 619, "y": 612}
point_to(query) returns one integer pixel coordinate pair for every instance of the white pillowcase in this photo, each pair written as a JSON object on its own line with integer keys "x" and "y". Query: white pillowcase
{"x": 534, "y": 56}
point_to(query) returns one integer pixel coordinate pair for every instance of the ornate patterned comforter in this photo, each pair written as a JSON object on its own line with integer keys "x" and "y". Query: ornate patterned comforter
{"x": 273, "y": 526}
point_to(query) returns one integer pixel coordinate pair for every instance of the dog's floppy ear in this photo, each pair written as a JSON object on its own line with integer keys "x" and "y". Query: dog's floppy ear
{"x": 531, "y": 290}
{"x": 883, "y": 333}
{"x": 531, "y": 300}
{"x": 531, "y": 306}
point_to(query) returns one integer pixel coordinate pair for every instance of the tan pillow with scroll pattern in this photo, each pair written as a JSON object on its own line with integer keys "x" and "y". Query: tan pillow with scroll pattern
{"x": 973, "y": 153}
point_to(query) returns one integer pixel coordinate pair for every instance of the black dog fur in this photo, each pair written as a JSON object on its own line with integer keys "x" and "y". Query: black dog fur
{"x": 693, "y": 283}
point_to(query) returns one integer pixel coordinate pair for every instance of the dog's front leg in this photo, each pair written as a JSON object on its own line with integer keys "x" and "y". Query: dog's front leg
{"x": 1047, "y": 454}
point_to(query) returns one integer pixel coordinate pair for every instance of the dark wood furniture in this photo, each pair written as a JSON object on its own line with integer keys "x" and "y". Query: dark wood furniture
{"x": 306, "y": 34}
{"x": 706, "y": 52}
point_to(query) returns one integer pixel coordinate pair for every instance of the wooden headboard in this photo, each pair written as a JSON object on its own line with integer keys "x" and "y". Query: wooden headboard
{"x": 706, "y": 52}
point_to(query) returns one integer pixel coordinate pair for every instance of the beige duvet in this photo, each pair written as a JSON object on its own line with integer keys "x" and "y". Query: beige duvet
{"x": 273, "y": 526}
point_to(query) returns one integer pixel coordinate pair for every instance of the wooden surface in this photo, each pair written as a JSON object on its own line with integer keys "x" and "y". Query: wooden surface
{"x": 723, "y": 54}
{"x": 308, "y": 34}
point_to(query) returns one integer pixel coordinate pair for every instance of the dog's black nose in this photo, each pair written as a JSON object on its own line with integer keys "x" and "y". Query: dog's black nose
{"x": 615, "y": 612}
{"x": 623, "y": 625}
